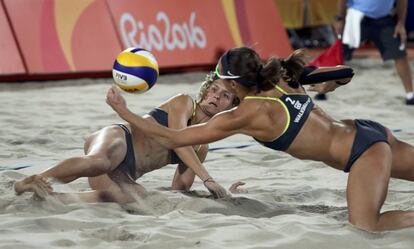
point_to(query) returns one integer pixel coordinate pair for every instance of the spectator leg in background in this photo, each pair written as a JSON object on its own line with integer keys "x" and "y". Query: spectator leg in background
{"x": 327, "y": 33}
{"x": 404, "y": 71}
{"x": 295, "y": 39}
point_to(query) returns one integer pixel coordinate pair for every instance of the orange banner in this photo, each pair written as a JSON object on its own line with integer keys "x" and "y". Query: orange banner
{"x": 186, "y": 33}
{"x": 85, "y": 36}
{"x": 10, "y": 60}
{"x": 64, "y": 36}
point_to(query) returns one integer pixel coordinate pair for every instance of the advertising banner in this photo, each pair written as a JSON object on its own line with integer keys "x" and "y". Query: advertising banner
{"x": 186, "y": 32}
{"x": 64, "y": 36}
{"x": 10, "y": 60}
{"x": 85, "y": 36}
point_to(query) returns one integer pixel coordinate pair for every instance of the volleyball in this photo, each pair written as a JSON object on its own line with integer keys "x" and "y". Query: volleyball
{"x": 135, "y": 70}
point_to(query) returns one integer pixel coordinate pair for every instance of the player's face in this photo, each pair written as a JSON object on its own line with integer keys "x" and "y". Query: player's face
{"x": 218, "y": 97}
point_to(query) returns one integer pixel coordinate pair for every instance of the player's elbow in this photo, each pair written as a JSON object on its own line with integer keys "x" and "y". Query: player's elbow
{"x": 170, "y": 144}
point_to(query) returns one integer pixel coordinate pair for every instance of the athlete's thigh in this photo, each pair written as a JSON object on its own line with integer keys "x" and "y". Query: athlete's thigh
{"x": 108, "y": 143}
{"x": 105, "y": 190}
{"x": 368, "y": 184}
{"x": 402, "y": 158}
{"x": 117, "y": 187}
{"x": 402, "y": 161}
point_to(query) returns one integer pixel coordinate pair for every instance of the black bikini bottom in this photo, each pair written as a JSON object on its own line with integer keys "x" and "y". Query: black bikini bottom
{"x": 367, "y": 133}
{"x": 128, "y": 164}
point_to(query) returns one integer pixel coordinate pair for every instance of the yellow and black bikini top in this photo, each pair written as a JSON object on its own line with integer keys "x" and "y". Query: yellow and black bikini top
{"x": 161, "y": 117}
{"x": 297, "y": 107}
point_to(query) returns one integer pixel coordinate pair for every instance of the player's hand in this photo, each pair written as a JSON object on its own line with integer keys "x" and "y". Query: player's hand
{"x": 325, "y": 87}
{"x": 216, "y": 189}
{"x": 401, "y": 32}
{"x": 115, "y": 100}
{"x": 234, "y": 188}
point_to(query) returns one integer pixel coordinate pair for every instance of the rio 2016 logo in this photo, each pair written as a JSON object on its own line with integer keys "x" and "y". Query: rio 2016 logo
{"x": 172, "y": 36}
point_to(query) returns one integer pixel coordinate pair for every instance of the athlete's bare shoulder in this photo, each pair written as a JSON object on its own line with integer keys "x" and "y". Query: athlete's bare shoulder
{"x": 181, "y": 99}
{"x": 182, "y": 102}
{"x": 178, "y": 102}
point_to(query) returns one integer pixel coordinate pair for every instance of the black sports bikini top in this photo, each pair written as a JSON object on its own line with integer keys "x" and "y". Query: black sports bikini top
{"x": 161, "y": 117}
{"x": 297, "y": 107}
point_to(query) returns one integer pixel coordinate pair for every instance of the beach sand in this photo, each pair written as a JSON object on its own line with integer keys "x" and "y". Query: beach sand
{"x": 290, "y": 203}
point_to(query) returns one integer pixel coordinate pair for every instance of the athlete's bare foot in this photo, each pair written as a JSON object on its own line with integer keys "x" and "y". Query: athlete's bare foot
{"x": 35, "y": 183}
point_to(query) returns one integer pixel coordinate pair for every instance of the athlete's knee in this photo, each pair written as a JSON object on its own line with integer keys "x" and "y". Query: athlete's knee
{"x": 369, "y": 225}
{"x": 106, "y": 196}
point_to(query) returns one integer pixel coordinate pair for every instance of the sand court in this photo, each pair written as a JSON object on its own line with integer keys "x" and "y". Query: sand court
{"x": 289, "y": 204}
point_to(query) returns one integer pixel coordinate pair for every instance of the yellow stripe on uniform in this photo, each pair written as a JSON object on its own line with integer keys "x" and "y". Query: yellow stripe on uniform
{"x": 277, "y": 100}
{"x": 280, "y": 89}
{"x": 194, "y": 109}
{"x": 286, "y": 93}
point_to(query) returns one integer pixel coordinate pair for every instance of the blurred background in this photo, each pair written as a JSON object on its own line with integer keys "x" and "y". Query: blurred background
{"x": 59, "y": 39}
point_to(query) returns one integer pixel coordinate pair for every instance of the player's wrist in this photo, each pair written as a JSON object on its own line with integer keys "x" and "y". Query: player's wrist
{"x": 208, "y": 179}
{"x": 400, "y": 23}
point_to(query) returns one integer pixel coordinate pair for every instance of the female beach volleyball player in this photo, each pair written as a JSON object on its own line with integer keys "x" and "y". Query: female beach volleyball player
{"x": 276, "y": 111}
{"x": 117, "y": 155}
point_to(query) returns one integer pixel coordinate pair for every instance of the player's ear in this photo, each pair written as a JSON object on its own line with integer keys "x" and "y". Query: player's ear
{"x": 233, "y": 83}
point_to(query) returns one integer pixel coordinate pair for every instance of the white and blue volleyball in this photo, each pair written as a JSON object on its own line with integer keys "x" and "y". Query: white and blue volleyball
{"x": 135, "y": 70}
